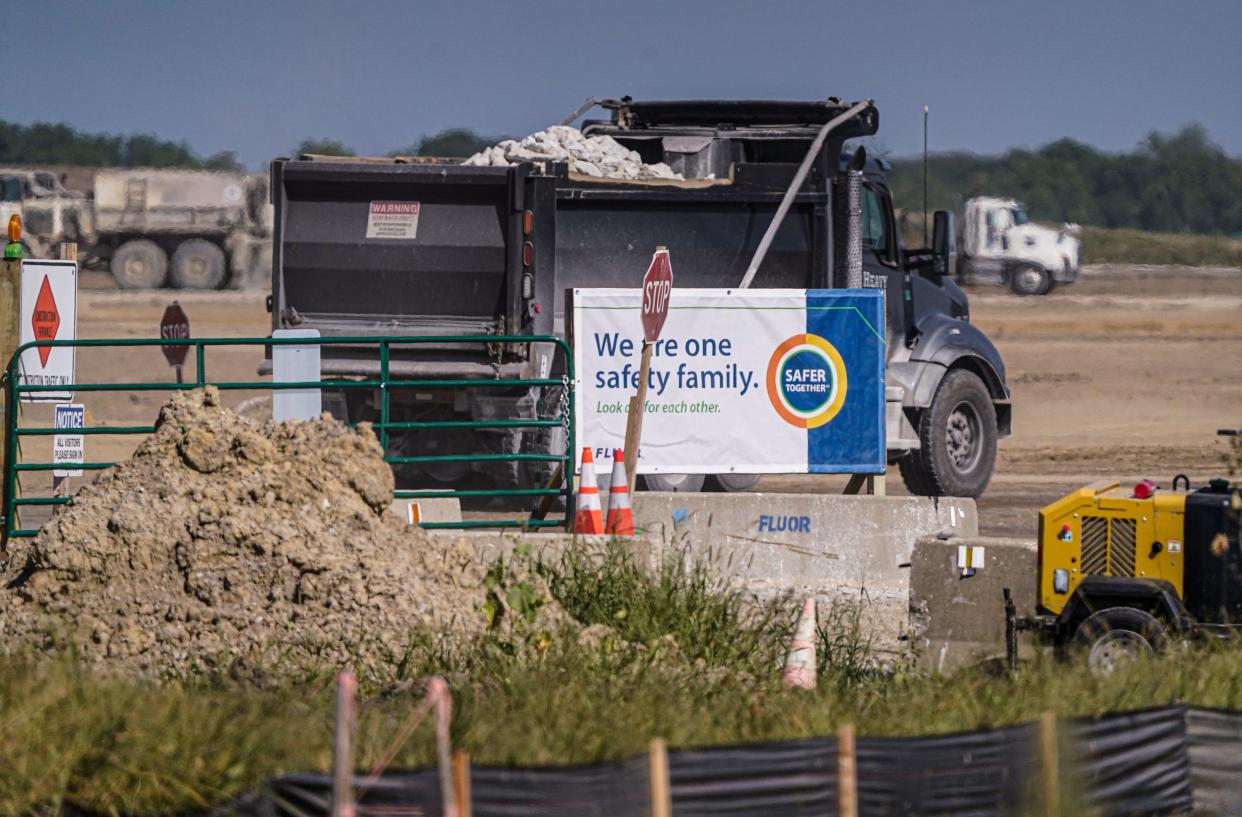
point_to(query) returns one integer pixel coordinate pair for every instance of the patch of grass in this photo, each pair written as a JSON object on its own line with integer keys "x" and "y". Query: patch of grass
{"x": 1105, "y": 246}
{"x": 73, "y": 736}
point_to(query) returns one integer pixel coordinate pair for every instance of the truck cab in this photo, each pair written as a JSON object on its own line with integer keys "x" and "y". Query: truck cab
{"x": 1003, "y": 246}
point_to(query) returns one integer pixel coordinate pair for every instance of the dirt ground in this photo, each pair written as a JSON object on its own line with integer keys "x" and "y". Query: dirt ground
{"x": 1126, "y": 374}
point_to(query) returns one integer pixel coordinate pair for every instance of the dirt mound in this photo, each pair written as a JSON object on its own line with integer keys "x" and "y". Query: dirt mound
{"x": 226, "y": 542}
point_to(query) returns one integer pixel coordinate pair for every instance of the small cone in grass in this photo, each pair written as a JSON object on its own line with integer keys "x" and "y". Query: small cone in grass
{"x": 590, "y": 516}
{"x": 620, "y": 512}
{"x": 800, "y": 666}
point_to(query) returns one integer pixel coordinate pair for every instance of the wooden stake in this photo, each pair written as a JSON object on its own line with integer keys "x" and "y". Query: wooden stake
{"x": 343, "y": 747}
{"x": 661, "y": 797}
{"x": 1050, "y": 764}
{"x": 438, "y": 689}
{"x": 847, "y": 772}
{"x": 461, "y": 782}
{"x": 634, "y": 423}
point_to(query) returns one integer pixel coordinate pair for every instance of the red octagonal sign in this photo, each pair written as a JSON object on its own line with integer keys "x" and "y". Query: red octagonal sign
{"x": 657, "y": 285}
{"x": 175, "y": 326}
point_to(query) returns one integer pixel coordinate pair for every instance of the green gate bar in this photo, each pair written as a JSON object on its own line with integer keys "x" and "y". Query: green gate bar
{"x": 13, "y": 466}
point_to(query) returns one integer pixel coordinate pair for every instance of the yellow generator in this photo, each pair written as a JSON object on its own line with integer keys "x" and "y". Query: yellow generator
{"x": 1123, "y": 570}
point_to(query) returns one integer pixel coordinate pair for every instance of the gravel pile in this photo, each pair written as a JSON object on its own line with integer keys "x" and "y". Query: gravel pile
{"x": 600, "y": 156}
{"x": 229, "y": 543}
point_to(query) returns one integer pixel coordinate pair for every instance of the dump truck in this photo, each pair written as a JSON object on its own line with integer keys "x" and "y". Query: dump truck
{"x": 1002, "y": 246}
{"x": 1126, "y": 570}
{"x": 187, "y": 229}
{"x": 491, "y": 250}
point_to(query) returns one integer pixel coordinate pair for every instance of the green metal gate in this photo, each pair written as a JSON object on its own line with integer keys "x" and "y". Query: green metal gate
{"x": 15, "y": 432}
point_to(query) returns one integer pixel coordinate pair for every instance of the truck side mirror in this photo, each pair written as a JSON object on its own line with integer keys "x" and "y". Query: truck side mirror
{"x": 944, "y": 243}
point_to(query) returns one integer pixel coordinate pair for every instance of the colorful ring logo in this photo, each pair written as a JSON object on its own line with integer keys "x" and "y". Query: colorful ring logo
{"x": 806, "y": 381}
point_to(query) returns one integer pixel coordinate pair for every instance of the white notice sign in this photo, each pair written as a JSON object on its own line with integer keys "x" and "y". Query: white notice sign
{"x": 49, "y": 312}
{"x": 69, "y": 449}
{"x": 393, "y": 219}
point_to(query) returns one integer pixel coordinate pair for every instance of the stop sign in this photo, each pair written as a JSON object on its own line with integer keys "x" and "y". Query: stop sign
{"x": 657, "y": 285}
{"x": 175, "y": 325}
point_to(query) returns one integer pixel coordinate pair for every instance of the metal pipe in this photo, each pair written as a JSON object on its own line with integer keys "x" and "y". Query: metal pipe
{"x": 816, "y": 146}
{"x": 853, "y": 272}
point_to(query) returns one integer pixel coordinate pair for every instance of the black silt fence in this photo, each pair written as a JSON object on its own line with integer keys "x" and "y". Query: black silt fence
{"x": 1169, "y": 761}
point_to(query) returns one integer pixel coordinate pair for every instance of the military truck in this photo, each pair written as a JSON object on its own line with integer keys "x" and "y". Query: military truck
{"x": 187, "y": 229}
{"x": 493, "y": 250}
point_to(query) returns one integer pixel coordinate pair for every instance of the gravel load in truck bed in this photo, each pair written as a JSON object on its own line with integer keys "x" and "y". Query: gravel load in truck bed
{"x": 600, "y": 156}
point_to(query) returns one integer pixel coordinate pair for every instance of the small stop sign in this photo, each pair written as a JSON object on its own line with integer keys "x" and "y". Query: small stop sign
{"x": 175, "y": 325}
{"x": 657, "y": 286}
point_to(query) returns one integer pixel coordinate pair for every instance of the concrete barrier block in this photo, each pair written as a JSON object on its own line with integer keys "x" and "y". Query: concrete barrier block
{"x": 435, "y": 509}
{"x": 957, "y": 620}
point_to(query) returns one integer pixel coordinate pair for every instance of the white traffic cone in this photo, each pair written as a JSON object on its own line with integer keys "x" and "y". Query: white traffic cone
{"x": 800, "y": 666}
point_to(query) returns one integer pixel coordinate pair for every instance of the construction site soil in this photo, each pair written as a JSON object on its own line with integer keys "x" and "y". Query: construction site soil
{"x": 1125, "y": 374}
{"x": 229, "y": 545}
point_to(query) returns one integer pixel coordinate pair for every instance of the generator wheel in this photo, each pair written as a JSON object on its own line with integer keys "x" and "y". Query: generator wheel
{"x": 957, "y": 436}
{"x": 1117, "y": 635}
{"x": 1030, "y": 280}
{"x": 140, "y": 264}
{"x": 198, "y": 264}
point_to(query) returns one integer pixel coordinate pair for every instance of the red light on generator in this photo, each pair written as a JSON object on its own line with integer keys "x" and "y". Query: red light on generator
{"x": 1144, "y": 489}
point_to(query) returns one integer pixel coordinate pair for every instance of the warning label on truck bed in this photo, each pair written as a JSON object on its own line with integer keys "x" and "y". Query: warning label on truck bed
{"x": 393, "y": 219}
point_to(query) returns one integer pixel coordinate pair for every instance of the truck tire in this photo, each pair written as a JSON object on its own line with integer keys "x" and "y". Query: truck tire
{"x": 140, "y": 264}
{"x": 957, "y": 436}
{"x": 1028, "y": 279}
{"x": 730, "y": 483}
{"x": 198, "y": 264}
{"x": 673, "y": 483}
{"x": 1115, "y": 635}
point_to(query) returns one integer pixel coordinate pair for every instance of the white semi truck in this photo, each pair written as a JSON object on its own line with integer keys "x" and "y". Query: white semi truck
{"x": 1000, "y": 245}
{"x": 187, "y": 229}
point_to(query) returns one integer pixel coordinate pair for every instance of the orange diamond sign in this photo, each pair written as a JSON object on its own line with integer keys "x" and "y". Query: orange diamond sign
{"x": 46, "y": 319}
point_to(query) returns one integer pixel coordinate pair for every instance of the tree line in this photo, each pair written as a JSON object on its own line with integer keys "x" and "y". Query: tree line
{"x": 1175, "y": 183}
{"x": 1180, "y": 182}
{"x": 60, "y": 144}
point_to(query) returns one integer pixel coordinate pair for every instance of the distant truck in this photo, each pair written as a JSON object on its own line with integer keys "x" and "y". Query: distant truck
{"x": 1001, "y": 246}
{"x": 188, "y": 229}
{"x": 496, "y": 247}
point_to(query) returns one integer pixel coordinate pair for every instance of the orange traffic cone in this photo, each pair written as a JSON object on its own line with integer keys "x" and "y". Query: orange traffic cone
{"x": 800, "y": 666}
{"x": 590, "y": 516}
{"x": 620, "y": 513}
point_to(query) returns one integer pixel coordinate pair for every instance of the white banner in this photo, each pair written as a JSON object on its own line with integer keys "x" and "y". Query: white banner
{"x": 741, "y": 381}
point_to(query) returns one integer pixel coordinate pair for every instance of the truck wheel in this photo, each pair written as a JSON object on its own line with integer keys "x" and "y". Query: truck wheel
{"x": 1030, "y": 280}
{"x": 140, "y": 264}
{"x": 1117, "y": 635}
{"x": 730, "y": 483}
{"x": 957, "y": 436}
{"x": 673, "y": 483}
{"x": 198, "y": 264}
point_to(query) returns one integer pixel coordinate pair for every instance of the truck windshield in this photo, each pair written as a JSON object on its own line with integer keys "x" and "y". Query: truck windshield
{"x": 1019, "y": 216}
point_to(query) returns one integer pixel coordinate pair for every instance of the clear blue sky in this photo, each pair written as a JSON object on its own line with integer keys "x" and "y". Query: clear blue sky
{"x": 257, "y": 77}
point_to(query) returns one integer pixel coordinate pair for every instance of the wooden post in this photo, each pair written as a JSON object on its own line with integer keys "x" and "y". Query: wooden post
{"x": 847, "y": 772}
{"x": 661, "y": 797}
{"x": 634, "y": 424}
{"x": 1050, "y": 764}
{"x": 343, "y": 747}
{"x": 461, "y": 782}
{"x": 438, "y": 689}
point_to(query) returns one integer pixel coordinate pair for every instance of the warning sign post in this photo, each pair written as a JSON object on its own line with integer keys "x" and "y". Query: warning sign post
{"x": 49, "y": 311}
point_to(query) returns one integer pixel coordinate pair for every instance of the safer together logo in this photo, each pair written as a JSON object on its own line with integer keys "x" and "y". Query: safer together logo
{"x": 806, "y": 381}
